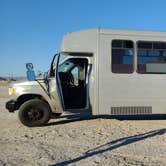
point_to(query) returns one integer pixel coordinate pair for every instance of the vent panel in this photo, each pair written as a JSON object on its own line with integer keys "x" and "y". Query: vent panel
{"x": 131, "y": 110}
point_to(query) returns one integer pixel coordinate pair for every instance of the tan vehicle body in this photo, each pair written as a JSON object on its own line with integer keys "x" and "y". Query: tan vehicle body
{"x": 107, "y": 92}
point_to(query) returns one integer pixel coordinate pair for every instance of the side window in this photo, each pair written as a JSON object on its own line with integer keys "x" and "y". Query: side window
{"x": 151, "y": 57}
{"x": 122, "y": 56}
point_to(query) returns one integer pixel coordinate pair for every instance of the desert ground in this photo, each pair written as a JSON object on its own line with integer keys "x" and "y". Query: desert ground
{"x": 80, "y": 140}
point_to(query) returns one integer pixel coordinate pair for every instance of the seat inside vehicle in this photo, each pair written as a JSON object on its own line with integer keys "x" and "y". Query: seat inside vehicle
{"x": 72, "y": 74}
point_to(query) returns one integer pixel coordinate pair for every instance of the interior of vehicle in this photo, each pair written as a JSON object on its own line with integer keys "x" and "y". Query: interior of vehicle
{"x": 72, "y": 74}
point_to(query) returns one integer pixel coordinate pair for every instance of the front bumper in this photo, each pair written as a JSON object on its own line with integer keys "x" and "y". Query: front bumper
{"x": 11, "y": 105}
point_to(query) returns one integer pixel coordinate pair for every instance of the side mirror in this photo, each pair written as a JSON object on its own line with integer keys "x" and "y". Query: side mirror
{"x": 30, "y": 72}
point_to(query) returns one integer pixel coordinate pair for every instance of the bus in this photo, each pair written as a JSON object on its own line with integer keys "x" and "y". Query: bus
{"x": 103, "y": 71}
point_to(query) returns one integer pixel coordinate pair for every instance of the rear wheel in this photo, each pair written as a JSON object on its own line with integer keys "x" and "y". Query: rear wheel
{"x": 34, "y": 112}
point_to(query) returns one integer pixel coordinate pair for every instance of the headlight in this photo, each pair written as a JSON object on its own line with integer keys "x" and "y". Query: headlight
{"x": 11, "y": 91}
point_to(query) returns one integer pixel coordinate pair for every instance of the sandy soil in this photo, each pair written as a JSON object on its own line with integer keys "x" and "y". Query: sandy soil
{"x": 4, "y": 83}
{"x": 70, "y": 140}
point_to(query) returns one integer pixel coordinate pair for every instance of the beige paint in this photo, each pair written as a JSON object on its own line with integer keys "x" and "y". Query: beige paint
{"x": 109, "y": 91}
{"x": 118, "y": 90}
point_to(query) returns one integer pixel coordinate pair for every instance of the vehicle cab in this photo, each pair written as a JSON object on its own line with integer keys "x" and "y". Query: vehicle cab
{"x": 65, "y": 87}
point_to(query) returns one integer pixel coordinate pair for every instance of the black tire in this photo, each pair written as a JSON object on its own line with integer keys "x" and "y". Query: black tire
{"x": 34, "y": 112}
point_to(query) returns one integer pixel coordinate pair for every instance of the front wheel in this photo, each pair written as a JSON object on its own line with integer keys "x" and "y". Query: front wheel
{"x": 34, "y": 112}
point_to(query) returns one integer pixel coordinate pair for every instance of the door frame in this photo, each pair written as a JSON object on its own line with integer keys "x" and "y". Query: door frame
{"x": 87, "y": 82}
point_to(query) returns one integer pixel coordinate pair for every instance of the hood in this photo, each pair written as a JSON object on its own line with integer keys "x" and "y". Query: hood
{"x": 23, "y": 82}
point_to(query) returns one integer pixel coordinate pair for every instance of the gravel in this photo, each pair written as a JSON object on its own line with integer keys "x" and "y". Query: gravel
{"x": 71, "y": 140}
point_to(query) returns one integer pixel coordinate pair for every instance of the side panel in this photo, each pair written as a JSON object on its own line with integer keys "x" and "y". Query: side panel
{"x": 55, "y": 95}
{"x": 128, "y": 93}
{"x": 93, "y": 85}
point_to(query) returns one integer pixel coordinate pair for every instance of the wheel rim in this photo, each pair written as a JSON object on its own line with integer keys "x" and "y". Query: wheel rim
{"x": 33, "y": 114}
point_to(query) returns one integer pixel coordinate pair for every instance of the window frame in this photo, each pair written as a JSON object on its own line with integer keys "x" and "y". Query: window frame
{"x": 133, "y": 56}
{"x": 148, "y": 49}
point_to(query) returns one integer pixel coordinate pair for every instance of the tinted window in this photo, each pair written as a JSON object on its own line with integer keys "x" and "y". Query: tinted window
{"x": 159, "y": 45}
{"x": 122, "y": 56}
{"x": 145, "y": 45}
{"x": 117, "y": 44}
{"x": 151, "y": 57}
{"x": 127, "y": 44}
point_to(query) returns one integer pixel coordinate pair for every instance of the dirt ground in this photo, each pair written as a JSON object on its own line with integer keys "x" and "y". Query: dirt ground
{"x": 71, "y": 140}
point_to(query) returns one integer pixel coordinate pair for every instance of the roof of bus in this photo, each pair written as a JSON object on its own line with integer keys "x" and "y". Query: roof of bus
{"x": 86, "y": 40}
{"x": 121, "y": 31}
{"x": 131, "y": 32}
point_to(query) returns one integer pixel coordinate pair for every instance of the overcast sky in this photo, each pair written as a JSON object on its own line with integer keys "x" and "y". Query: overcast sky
{"x": 32, "y": 30}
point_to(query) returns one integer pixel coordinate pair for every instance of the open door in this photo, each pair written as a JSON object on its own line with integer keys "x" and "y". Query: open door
{"x": 72, "y": 76}
{"x": 55, "y": 89}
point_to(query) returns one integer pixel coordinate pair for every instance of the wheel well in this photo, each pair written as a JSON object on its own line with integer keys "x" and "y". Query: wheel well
{"x": 27, "y": 97}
